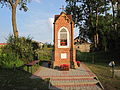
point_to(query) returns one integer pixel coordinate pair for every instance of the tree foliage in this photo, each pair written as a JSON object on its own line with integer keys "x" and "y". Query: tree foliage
{"x": 96, "y": 22}
{"x": 21, "y": 47}
{"x": 13, "y": 5}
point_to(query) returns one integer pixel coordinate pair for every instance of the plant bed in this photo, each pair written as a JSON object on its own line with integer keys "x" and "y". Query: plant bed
{"x": 64, "y": 67}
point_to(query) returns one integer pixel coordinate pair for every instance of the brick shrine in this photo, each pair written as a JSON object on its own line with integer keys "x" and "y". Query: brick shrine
{"x": 64, "y": 50}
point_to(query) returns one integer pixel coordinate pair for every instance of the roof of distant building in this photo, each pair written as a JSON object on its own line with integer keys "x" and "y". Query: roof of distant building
{"x": 80, "y": 40}
{"x": 3, "y": 43}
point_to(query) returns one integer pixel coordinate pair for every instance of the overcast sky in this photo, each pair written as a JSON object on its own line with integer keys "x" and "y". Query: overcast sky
{"x": 37, "y": 22}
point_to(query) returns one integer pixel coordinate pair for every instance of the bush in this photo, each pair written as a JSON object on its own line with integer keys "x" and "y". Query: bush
{"x": 9, "y": 59}
{"x": 21, "y": 46}
{"x": 18, "y": 51}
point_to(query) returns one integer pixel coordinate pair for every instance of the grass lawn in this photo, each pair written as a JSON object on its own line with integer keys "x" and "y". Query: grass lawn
{"x": 105, "y": 76}
{"x": 19, "y": 80}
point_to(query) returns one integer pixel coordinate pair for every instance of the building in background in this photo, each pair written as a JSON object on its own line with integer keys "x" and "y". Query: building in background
{"x": 81, "y": 44}
{"x": 2, "y": 44}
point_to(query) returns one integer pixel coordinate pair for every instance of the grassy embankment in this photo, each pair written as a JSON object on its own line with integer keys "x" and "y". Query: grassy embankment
{"x": 105, "y": 76}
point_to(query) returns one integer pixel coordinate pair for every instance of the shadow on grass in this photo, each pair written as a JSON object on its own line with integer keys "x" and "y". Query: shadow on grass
{"x": 20, "y": 80}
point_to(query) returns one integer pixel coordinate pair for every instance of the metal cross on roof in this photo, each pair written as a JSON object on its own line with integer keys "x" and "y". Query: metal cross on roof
{"x": 62, "y": 8}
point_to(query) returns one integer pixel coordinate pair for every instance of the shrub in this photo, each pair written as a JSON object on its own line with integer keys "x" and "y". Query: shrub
{"x": 18, "y": 51}
{"x": 8, "y": 60}
{"x": 21, "y": 46}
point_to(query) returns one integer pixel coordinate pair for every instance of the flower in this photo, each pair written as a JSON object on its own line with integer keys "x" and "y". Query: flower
{"x": 64, "y": 67}
{"x": 78, "y": 62}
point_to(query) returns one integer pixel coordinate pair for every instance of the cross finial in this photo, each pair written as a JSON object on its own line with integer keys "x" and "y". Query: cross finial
{"x": 62, "y": 8}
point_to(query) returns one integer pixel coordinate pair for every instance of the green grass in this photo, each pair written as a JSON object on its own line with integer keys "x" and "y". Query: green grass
{"x": 20, "y": 80}
{"x": 105, "y": 76}
{"x": 45, "y": 54}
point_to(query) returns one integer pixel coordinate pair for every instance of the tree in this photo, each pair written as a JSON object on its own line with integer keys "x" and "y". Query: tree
{"x": 86, "y": 14}
{"x": 13, "y": 5}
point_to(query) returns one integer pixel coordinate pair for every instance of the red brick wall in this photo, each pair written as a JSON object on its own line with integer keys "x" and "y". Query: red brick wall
{"x": 63, "y": 22}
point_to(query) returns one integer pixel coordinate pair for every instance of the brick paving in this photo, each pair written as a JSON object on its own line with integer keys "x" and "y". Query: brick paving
{"x": 75, "y": 79}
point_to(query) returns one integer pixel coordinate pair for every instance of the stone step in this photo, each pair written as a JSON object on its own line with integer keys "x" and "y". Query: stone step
{"x": 75, "y": 82}
{"x": 88, "y": 83}
{"x": 69, "y": 76}
{"x": 69, "y": 80}
{"x": 72, "y": 79}
{"x": 64, "y": 77}
{"x": 75, "y": 87}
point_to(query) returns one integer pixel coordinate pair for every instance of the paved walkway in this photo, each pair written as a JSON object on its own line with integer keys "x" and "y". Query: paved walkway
{"x": 74, "y": 79}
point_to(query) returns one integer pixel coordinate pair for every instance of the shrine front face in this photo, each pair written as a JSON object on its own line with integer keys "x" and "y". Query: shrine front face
{"x": 63, "y": 40}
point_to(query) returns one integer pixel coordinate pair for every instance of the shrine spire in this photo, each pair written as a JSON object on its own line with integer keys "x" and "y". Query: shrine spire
{"x": 62, "y": 8}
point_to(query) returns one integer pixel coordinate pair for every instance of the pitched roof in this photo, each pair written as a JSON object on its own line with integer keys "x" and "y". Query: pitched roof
{"x": 3, "y": 43}
{"x": 57, "y": 16}
{"x": 82, "y": 40}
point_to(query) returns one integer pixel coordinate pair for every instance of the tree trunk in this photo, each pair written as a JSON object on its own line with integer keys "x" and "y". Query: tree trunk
{"x": 105, "y": 48}
{"x": 105, "y": 7}
{"x": 113, "y": 12}
{"x": 95, "y": 41}
{"x": 96, "y": 37}
{"x": 118, "y": 14}
{"x": 14, "y": 20}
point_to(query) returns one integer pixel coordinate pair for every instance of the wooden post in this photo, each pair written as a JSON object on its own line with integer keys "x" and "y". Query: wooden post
{"x": 14, "y": 67}
{"x": 28, "y": 68}
{"x": 31, "y": 69}
{"x": 113, "y": 72}
{"x": 112, "y": 64}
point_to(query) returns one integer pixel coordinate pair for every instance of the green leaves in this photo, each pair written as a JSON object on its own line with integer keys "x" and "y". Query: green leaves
{"x": 45, "y": 54}
{"x": 8, "y": 59}
{"x": 94, "y": 16}
{"x": 22, "y": 47}
{"x": 23, "y": 6}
